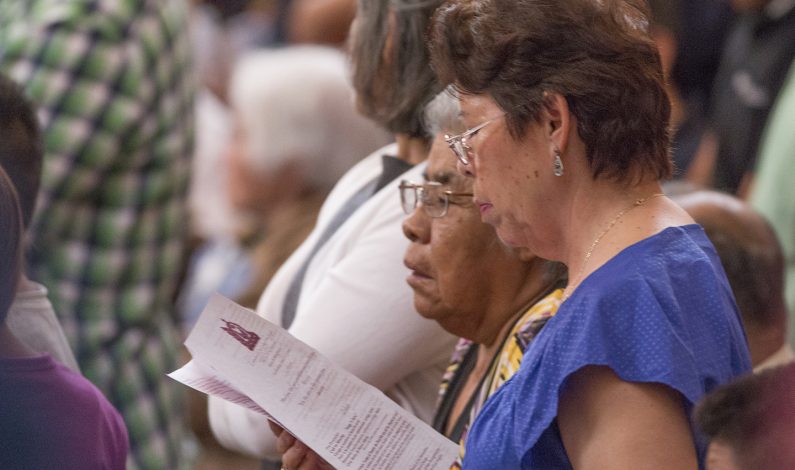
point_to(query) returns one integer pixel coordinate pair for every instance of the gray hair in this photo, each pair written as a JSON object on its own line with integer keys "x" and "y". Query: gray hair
{"x": 443, "y": 114}
{"x": 297, "y": 104}
{"x": 395, "y": 97}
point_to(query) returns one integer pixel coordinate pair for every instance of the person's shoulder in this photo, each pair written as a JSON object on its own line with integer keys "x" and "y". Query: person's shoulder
{"x": 68, "y": 400}
{"x": 660, "y": 280}
{"x": 671, "y": 249}
{"x": 666, "y": 289}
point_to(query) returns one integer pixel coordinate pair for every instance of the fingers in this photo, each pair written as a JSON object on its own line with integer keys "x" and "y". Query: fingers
{"x": 312, "y": 462}
{"x": 275, "y": 428}
{"x": 285, "y": 442}
{"x": 295, "y": 454}
{"x": 294, "y": 457}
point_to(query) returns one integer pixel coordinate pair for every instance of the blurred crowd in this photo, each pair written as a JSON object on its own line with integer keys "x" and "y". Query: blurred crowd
{"x": 326, "y": 163}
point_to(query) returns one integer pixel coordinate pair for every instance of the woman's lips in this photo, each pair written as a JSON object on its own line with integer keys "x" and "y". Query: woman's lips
{"x": 484, "y": 207}
{"x": 417, "y": 274}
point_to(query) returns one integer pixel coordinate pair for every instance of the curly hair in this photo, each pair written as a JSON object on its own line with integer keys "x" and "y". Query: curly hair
{"x": 596, "y": 53}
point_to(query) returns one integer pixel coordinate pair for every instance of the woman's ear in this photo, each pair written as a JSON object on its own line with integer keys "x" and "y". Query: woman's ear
{"x": 557, "y": 119}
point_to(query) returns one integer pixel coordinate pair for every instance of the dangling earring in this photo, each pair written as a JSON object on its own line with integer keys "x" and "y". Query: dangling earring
{"x": 557, "y": 164}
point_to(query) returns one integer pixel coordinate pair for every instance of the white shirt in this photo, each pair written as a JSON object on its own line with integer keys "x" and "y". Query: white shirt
{"x": 32, "y": 320}
{"x": 355, "y": 308}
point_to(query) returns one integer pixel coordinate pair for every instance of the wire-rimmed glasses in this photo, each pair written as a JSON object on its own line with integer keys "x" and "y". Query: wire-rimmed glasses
{"x": 434, "y": 198}
{"x": 458, "y": 143}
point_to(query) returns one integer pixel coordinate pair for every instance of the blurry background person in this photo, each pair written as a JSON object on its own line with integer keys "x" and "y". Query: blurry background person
{"x": 114, "y": 86}
{"x": 752, "y": 258}
{"x": 343, "y": 290}
{"x": 314, "y": 21}
{"x": 758, "y": 53}
{"x": 687, "y": 106}
{"x": 773, "y": 193}
{"x": 52, "y": 417}
{"x": 296, "y": 132}
{"x": 701, "y": 33}
{"x": 751, "y": 422}
{"x": 221, "y": 31}
{"x": 31, "y": 317}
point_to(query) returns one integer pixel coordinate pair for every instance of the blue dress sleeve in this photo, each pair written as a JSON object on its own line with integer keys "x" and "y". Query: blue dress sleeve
{"x": 664, "y": 316}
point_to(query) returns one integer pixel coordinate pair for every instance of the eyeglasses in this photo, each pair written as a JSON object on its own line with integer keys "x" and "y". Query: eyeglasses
{"x": 434, "y": 198}
{"x": 458, "y": 143}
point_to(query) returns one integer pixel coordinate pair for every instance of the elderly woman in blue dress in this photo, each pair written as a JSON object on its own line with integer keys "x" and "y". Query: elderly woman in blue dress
{"x": 567, "y": 145}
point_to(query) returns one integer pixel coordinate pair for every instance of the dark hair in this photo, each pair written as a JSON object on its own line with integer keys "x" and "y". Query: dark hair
{"x": 21, "y": 151}
{"x": 749, "y": 251}
{"x": 754, "y": 263}
{"x": 395, "y": 96}
{"x": 666, "y": 14}
{"x": 10, "y": 243}
{"x": 755, "y": 416}
{"x": 596, "y": 53}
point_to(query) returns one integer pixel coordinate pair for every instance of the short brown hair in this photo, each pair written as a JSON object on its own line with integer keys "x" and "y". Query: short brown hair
{"x": 596, "y": 53}
{"x": 754, "y": 416}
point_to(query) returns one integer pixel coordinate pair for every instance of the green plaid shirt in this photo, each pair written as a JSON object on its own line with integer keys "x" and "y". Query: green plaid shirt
{"x": 115, "y": 94}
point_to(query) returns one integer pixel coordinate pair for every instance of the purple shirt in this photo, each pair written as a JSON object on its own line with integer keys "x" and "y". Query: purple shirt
{"x": 53, "y": 417}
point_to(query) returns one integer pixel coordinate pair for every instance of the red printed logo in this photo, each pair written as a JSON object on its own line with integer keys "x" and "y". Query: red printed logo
{"x": 247, "y": 338}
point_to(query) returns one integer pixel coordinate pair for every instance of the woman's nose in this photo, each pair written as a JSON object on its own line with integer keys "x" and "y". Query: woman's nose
{"x": 466, "y": 170}
{"x": 416, "y": 227}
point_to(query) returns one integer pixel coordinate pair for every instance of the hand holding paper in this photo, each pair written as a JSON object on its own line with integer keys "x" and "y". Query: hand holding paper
{"x": 242, "y": 358}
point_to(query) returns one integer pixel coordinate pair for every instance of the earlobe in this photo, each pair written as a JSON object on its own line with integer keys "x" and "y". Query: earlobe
{"x": 558, "y": 120}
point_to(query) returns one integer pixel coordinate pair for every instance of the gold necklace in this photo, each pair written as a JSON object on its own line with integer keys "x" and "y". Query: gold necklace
{"x": 636, "y": 203}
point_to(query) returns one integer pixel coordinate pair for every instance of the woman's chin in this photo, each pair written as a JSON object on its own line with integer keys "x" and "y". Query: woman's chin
{"x": 426, "y": 306}
{"x": 508, "y": 238}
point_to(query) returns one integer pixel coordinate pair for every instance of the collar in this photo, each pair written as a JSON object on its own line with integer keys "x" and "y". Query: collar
{"x": 392, "y": 167}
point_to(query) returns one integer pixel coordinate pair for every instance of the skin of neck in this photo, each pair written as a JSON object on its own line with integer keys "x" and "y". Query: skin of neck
{"x": 582, "y": 206}
{"x": 590, "y": 205}
{"x": 25, "y": 284}
{"x": 507, "y": 306}
{"x": 412, "y": 150}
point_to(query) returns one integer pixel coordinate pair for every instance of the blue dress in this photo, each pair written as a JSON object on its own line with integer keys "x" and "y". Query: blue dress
{"x": 659, "y": 311}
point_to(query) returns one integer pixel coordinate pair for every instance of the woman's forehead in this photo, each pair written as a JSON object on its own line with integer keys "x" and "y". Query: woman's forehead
{"x": 442, "y": 163}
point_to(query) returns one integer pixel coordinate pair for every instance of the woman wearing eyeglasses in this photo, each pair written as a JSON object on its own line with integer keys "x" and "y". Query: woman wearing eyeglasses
{"x": 567, "y": 145}
{"x": 494, "y": 297}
